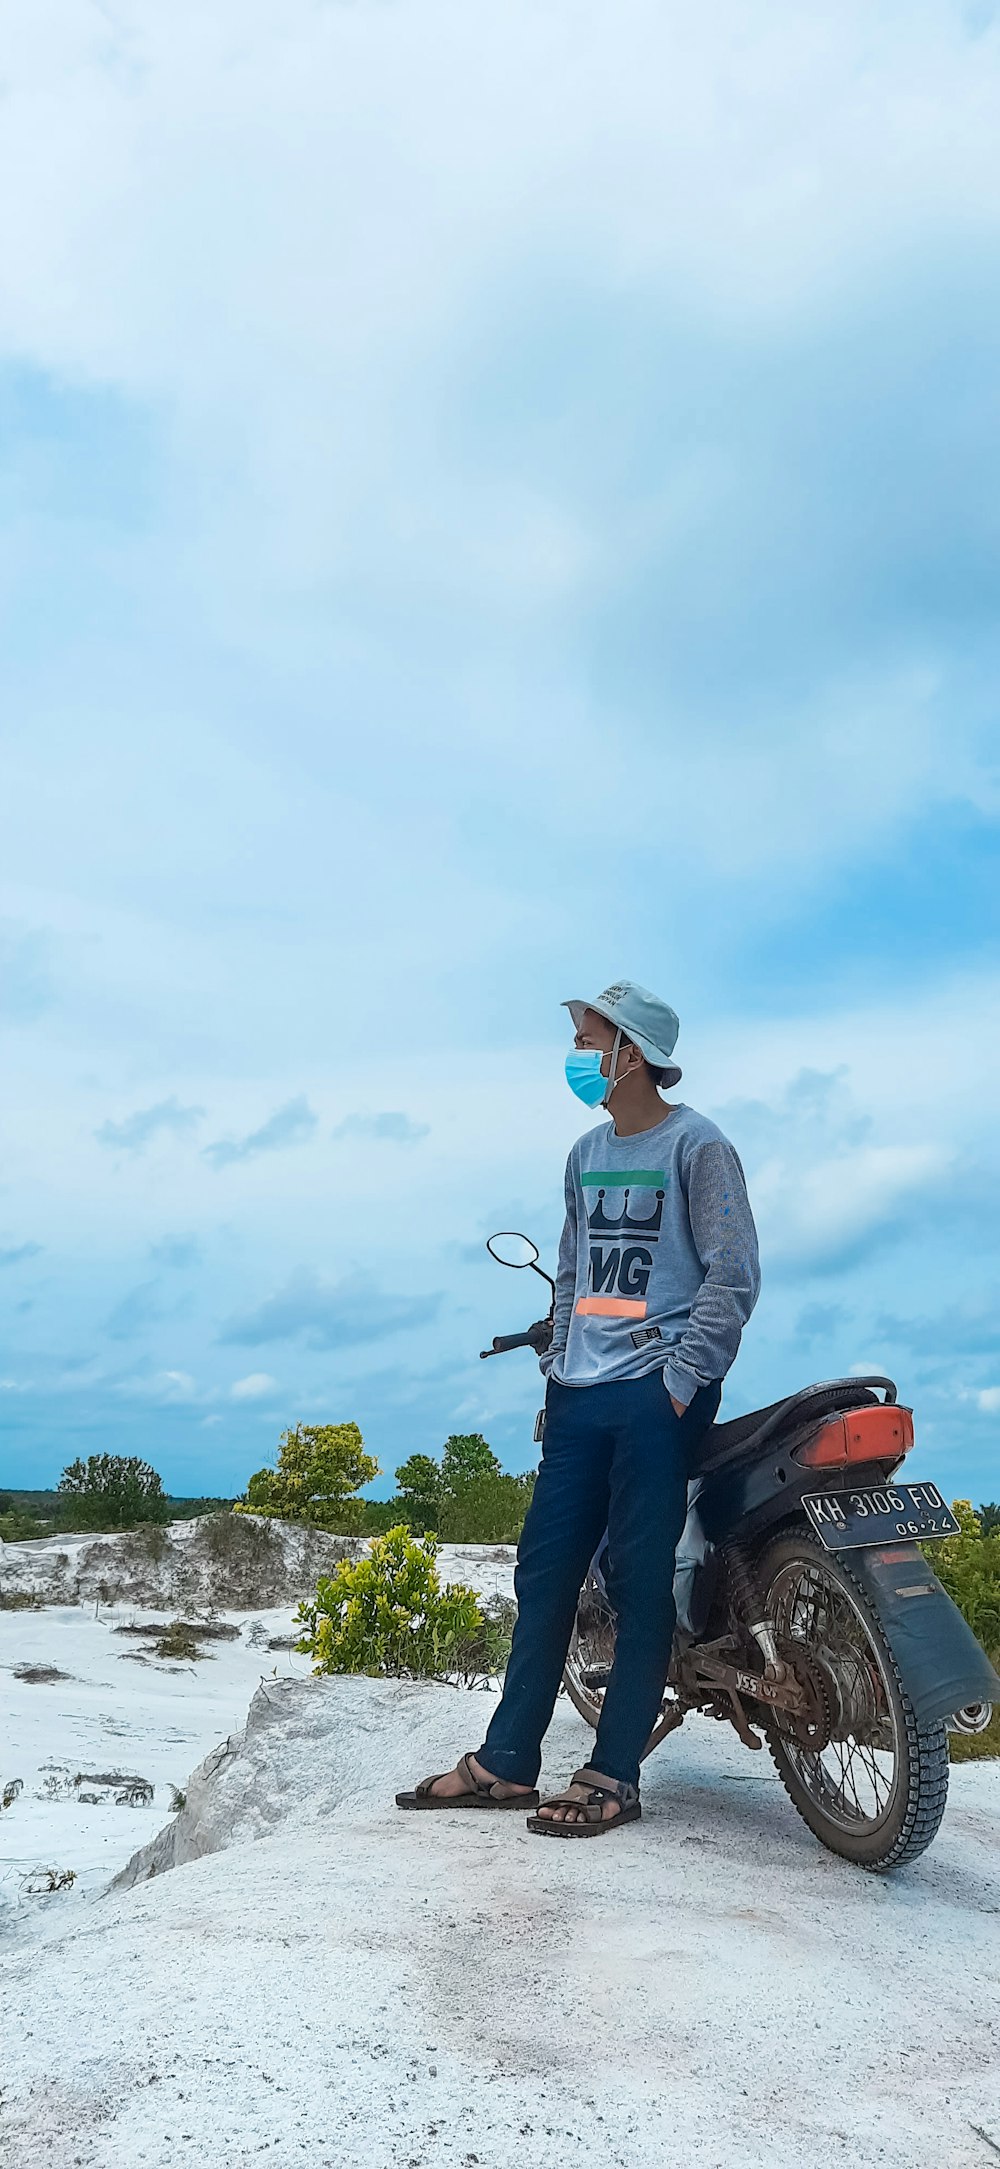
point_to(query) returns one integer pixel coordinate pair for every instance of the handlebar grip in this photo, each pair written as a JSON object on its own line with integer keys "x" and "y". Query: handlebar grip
{"x": 503, "y": 1341}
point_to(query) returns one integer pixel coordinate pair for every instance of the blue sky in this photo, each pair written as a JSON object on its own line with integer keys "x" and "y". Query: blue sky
{"x": 489, "y": 502}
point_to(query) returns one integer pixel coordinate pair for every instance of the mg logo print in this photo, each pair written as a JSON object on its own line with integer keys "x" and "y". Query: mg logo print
{"x": 624, "y": 1271}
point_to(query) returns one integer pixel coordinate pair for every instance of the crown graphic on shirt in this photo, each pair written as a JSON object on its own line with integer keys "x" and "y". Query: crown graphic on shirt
{"x": 603, "y": 1223}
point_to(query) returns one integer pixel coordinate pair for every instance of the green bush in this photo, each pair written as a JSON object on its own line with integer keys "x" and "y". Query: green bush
{"x": 487, "y": 1509}
{"x": 387, "y": 1615}
{"x": 969, "y": 1566}
{"x": 419, "y": 1492}
{"x": 110, "y": 1491}
{"x": 378, "y": 1515}
{"x": 466, "y": 1498}
{"x": 18, "y": 1528}
{"x": 320, "y": 1468}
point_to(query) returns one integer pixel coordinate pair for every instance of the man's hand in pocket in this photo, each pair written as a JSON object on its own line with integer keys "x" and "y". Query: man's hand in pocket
{"x": 678, "y": 1407}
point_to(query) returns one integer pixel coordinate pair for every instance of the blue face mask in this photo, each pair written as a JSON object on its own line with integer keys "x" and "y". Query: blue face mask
{"x": 584, "y": 1077}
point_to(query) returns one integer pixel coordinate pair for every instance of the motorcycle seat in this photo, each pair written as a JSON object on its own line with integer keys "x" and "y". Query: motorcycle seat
{"x": 743, "y": 1437}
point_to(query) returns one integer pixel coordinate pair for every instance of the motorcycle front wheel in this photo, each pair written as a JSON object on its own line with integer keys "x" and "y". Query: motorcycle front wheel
{"x": 589, "y": 1661}
{"x": 873, "y": 1787}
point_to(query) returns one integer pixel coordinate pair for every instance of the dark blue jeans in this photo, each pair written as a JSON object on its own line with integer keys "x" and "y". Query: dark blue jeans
{"x": 614, "y": 1457}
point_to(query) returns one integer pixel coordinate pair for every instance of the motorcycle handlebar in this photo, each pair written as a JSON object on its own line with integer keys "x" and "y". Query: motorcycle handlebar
{"x": 503, "y": 1341}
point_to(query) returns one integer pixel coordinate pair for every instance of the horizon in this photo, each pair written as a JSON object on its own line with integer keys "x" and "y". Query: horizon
{"x": 469, "y": 537}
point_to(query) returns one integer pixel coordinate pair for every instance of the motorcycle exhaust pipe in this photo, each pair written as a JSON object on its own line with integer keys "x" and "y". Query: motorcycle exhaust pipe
{"x": 975, "y": 1717}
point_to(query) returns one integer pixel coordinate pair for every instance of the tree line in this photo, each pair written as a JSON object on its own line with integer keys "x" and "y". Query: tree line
{"x": 463, "y": 1497}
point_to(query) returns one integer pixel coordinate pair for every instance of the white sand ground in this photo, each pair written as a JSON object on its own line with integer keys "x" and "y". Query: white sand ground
{"x": 122, "y": 1711}
{"x": 334, "y": 1983}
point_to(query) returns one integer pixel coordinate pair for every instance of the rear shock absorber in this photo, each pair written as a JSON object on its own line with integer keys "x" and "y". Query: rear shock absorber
{"x": 749, "y": 1607}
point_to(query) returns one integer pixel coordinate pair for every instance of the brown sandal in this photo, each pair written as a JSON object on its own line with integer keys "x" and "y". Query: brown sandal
{"x": 492, "y": 1794}
{"x": 590, "y": 1820}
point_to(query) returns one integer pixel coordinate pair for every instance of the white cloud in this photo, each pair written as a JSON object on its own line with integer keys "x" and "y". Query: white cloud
{"x": 811, "y": 1210}
{"x": 988, "y": 1399}
{"x": 255, "y": 1387}
{"x": 167, "y": 1388}
{"x": 349, "y": 170}
{"x": 372, "y": 289}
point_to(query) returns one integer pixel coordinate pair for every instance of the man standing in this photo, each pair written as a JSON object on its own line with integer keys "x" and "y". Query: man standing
{"x": 657, "y": 1276}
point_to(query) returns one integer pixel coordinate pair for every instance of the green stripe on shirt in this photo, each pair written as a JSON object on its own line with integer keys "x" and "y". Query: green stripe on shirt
{"x": 619, "y": 1178}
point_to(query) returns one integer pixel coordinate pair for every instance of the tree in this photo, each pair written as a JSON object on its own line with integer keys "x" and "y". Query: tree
{"x": 989, "y": 1518}
{"x": 487, "y": 1509}
{"x": 465, "y": 1457}
{"x": 419, "y": 1493}
{"x": 111, "y": 1491}
{"x": 320, "y": 1468}
{"x": 466, "y": 1497}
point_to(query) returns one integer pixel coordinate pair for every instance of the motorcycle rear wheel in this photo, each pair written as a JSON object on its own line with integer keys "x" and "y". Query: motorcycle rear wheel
{"x": 875, "y": 1792}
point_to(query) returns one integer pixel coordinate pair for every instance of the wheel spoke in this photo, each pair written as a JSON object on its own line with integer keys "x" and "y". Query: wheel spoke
{"x": 848, "y": 1780}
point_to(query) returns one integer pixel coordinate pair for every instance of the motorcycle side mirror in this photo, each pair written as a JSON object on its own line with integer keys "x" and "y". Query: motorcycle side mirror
{"x": 517, "y": 1251}
{"x": 511, "y": 1249}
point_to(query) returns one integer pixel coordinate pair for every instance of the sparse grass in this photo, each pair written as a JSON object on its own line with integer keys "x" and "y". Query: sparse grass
{"x": 213, "y": 1630}
{"x": 23, "y": 1600}
{"x": 39, "y": 1675}
{"x": 178, "y": 1641}
{"x": 119, "y": 1779}
{"x": 152, "y": 1539}
{"x": 45, "y": 1880}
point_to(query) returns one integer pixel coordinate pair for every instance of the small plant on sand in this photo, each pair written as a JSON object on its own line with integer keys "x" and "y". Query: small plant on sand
{"x": 388, "y": 1615}
{"x": 43, "y": 1881}
{"x": 178, "y": 1640}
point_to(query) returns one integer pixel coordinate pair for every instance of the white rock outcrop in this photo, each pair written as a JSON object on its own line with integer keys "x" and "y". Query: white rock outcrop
{"x": 216, "y": 1561}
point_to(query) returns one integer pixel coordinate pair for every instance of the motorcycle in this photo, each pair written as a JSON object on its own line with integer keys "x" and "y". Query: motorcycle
{"x": 808, "y": 1616}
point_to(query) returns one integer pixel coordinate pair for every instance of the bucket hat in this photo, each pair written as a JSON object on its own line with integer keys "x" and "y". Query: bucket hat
{"x": 651, "y": 1024}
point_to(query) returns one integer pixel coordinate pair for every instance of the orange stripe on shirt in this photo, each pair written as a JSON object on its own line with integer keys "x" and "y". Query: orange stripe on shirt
{"x": 609, "y": 1306}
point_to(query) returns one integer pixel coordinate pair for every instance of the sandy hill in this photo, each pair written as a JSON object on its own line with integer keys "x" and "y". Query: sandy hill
{"x": 310, "y": 1977}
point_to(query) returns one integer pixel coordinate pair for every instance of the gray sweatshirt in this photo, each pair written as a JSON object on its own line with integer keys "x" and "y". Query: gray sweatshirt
{"x": 658, "y": 1265}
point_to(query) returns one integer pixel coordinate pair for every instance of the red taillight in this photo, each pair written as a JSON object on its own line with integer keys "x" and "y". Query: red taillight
{"x": 864, "y": 1434}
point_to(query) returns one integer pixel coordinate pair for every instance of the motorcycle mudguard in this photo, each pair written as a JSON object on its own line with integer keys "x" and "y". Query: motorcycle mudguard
{"x": 941, "y": 1664}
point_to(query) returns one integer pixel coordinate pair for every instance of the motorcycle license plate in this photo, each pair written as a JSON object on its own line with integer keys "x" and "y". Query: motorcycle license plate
{"x": 845, "y": 1519}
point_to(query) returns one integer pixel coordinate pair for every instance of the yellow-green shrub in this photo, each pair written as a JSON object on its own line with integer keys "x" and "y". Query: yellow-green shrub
{"x": 387, "y": 1614}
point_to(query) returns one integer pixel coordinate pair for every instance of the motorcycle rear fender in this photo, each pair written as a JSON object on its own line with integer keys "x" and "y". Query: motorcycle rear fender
{"x": 748, "y": 1500}
{"x": 941, "y": 1664}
